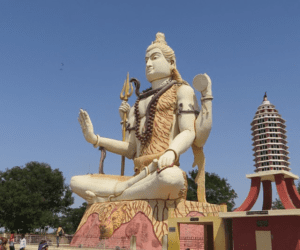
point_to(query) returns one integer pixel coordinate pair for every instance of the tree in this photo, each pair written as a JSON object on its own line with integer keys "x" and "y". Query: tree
{"x": 218, "y": 190}
{"x": 72, "y": 218}
{"x": 277, "y": 204}
{"x": 32, "y": 197}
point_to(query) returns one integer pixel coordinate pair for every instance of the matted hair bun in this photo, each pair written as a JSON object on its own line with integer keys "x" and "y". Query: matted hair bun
{"x": 160, "y": 38}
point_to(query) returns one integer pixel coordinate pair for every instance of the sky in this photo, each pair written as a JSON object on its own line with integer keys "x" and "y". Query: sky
{"x": 59, "y": 56}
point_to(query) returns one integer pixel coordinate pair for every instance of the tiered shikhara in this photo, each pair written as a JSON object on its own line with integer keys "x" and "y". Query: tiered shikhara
{"x": 271, "y": 160}
{"x": 269, "y": 139}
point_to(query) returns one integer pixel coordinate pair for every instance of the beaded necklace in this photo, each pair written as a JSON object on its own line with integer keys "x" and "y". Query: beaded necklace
{"x": 150, "y": 112}
{"x": 148, "y": 127}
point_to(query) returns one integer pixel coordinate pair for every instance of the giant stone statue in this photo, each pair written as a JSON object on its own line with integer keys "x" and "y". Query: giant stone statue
{"x": 163, "y": 123}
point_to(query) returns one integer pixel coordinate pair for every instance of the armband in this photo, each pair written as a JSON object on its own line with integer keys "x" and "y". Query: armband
{"x": 181, "y": 111}
{"x": 128, "y": 128}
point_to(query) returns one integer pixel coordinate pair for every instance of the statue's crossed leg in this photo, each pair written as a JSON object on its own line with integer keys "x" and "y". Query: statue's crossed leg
{"x": 149, "y": 184}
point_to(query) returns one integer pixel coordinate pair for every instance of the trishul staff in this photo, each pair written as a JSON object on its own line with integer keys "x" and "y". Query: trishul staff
{"x": 126, "y": 92}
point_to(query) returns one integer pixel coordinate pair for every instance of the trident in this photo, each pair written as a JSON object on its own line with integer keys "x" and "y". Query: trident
{"x": 126, "y": 92}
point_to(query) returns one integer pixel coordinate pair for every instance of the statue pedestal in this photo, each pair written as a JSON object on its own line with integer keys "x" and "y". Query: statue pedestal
{"x": 112, "y": 224}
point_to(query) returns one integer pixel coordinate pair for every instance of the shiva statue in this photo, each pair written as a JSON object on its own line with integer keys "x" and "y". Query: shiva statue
{"x": 164, "y": 122}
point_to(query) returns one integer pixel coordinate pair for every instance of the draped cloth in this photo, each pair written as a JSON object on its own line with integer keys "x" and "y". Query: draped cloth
{"x": 162, "y": 126}
{"x": 199, "y": 160}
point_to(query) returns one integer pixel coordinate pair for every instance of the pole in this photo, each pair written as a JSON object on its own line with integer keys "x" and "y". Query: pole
{"x": 125, "y": 94}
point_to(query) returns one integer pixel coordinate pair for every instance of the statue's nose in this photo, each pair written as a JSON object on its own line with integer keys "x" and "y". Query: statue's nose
{"x": 149, "y": 63}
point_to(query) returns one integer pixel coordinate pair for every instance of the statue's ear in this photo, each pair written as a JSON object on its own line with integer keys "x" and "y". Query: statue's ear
{"x": 172, "y": 64}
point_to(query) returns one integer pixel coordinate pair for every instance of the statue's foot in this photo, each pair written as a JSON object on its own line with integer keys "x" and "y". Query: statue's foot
{"x": 92, "y": 198}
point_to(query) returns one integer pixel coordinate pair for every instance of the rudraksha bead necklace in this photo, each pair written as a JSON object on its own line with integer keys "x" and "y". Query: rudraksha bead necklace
{"x": 148, "y": 127}
{"x": 150, "y": 112}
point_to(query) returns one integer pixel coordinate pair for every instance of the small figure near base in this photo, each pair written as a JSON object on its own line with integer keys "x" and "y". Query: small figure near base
{"x": 59, "y": 233}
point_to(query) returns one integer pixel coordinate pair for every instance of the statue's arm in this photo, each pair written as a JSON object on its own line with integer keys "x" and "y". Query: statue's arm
{"x": 203, "y": 123}
{"x": 186, "y": 100}
{"x": 126, "y": 148}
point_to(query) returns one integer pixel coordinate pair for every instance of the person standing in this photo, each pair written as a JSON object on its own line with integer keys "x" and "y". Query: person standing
{"x": 3, "y": 243}
{"x": 59, "y": 233}
{"x": 22, "y": 242}
{"x": 12, "y": 241}
{"x": 43, "y": 245}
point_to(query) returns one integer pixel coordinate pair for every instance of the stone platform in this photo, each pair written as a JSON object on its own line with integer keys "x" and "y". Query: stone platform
{"x": 116, "y": 222}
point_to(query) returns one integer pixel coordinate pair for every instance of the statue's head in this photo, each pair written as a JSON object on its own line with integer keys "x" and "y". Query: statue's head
{"x": 161, "y": 60}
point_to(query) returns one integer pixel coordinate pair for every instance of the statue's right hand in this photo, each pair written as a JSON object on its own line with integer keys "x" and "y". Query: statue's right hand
{"x": 124, "y": 109}
{"x": 87, "y": 127}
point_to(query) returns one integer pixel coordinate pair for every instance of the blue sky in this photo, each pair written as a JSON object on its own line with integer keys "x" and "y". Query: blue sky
{"x": 246, "y": 48}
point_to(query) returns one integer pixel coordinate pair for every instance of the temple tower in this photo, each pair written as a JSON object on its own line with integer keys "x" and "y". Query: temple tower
{"x": 269, "y": 139}
{"x": 271, "y": 160}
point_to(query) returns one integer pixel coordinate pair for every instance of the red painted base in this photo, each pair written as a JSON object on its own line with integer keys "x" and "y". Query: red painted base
{"x": 267, "y": 187}
{"x": 140, "y": 226}
{"x": 192, "y": 235}
{"x": 283, "y": 192}
{"x": 293, "y": 192}
{"x": 286, "y": 190}
{"x": 284, "y": 229}
{"x": 252, "y": 196}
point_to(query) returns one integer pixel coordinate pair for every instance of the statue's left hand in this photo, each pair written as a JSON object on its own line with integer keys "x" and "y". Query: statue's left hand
{"x": 87, "y": 127}
{"x": 202, "y": 83}
{"x": 166, "y": 159}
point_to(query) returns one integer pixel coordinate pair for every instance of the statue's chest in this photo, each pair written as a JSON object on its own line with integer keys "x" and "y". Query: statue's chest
{"x": 142, "y": 107}
{"x": 154, "y": 121}
{"x": 151, "y": 105}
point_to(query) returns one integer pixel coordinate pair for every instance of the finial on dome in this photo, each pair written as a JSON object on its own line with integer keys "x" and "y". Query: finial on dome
{"x": 265, "y": 96}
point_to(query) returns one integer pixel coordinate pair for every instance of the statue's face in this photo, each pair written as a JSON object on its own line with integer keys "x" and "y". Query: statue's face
{"x": 157, "y": 67}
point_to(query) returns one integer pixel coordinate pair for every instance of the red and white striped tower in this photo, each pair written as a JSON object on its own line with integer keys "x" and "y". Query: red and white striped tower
{"x": 271, "y": 160}
{"x": 269, "y": 139}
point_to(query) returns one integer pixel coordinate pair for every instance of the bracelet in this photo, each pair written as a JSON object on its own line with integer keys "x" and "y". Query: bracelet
{"x": 159, "y": 170}
{"x": 209, "y": 97}
{"x": 147, "y": 171}
{"x": 98, "y": 139}
{"x": 110, "y": 197}
{"x": 176, "y": 156}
